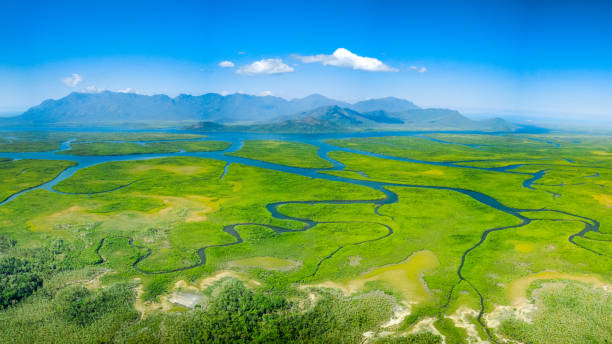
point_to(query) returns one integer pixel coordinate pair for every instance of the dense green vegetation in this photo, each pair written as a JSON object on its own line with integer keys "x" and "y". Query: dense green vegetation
{"x": 239, "y": 315}
{"x": 17, "y": 281}
{"x": 568, "y": 312}
{"x": 131, "y": 136}
{"x": 18, "y": 175}
{"x": 126, "y": 148}
{"x": 30, "y": 141}
{"x": 283, "y": 153}
{"x": 186, "y": 249}
{"x": 37, "y": 141}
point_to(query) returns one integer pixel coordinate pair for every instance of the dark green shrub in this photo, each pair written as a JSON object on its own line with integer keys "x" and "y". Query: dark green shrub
{"x": 17, "y": 280}
{"x": 82, "y": 306}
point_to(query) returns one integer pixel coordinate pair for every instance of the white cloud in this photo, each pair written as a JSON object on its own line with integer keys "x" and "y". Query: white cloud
{"x": 421, "y": 69}
{"x": 266, "y": 93}
{"x": 73, "y": 80}
{"x": 241, "y": 53}
{"x": 226, "y": 64}
{"x": 265, "y": 66}
{"x": 93, "y": 89}
{"x": 344, "y": 58}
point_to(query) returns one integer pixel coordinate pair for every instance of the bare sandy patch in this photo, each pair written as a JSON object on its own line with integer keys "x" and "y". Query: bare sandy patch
{"x": 399, "y": 314}
{"x": 354, "y": 260}
{"x": 146, "y": 307}
{"x": 427, "y": 325}
{"x": 185, "y": 299}
{"x": 522, "y": 311}
{"x": 462, "y": 319}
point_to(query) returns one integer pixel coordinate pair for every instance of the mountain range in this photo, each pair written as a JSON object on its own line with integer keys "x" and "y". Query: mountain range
{"x": 242, "y": 112}
{"x": 333, "y": 118}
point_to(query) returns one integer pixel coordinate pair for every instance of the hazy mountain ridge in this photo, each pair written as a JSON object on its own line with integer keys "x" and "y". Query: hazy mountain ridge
{"x": 242, "y": 112}
{"x": 328, "y": 119}
{"x": 120, "y": 107}
{"x": 389, "y": 104}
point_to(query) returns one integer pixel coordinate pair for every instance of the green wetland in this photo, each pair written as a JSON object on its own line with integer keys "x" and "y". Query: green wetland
{"x": 146, "y": 237}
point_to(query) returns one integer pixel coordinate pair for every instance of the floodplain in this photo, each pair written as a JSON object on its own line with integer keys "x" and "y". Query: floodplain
{"x": 406, "y": 238}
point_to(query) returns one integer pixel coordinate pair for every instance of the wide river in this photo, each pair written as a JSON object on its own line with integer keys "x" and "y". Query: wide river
{"x": 237, "y": 140}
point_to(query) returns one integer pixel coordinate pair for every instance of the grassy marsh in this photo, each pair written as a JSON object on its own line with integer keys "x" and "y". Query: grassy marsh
{"x": 283, "y": 153}
{"x": 350, "y": 267}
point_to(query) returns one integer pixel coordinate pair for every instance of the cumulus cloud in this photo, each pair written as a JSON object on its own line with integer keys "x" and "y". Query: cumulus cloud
{"x": 226, "y": 64}
{"x": 421, "y": 69}
{"x": 266, "y": 93}
{"x": 73, "y": 80}
{"x": 344, "y": 58}
{"x": 126, "y": 90}
{"x": 265, "y": 66}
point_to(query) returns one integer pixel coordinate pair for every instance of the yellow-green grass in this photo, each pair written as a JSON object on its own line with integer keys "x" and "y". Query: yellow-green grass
{"x": 283, "y": 153}
{"x": 518, "y": 290}
{"x": 444, "y": 222}
{"x": 18, "y": 175}
{"x": 131, "y": 136}
{"x": 567, "y": 312}
{"x": 126, "y": 148}
{"x": 418, "y": 148}
{"x": 496, "y": 184}
{"x": 512, "y": 257}
{"x": 176, "y": 206}
{"x": 266, "y": 263}
{"x": 37, "y": 141}
{"x": 404, "y": 277}
{"x": 578, "y": 149}
{"x": 530, "y": 166}
{"x": 587, "y": 199}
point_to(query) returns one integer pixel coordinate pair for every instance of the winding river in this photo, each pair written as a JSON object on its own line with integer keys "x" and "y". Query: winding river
{"x": 237, "y": 139}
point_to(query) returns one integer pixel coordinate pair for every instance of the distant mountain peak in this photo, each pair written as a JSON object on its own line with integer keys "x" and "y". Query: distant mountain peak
{"x": 314, "y": 113}
{"x": 312, "y": 96}
{"x": 388, "y": 104}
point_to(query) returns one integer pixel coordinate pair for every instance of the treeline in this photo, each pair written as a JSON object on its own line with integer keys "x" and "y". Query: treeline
{"x": 42, "y": 299}
{"x": 241, "y": 315}
{"x": 22, "y": 271}
{"x": 18, "y": 280}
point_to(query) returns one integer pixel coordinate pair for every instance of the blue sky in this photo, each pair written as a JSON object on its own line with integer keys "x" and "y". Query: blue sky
{"x": 536, "y": 57}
